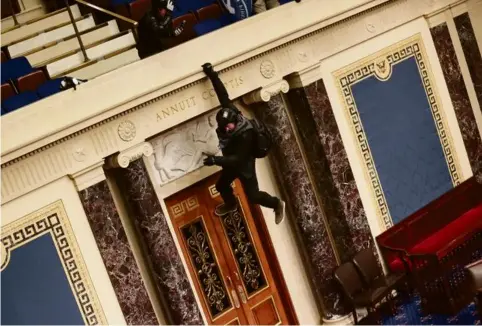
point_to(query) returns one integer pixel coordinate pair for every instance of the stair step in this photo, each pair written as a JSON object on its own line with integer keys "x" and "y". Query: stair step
{"x": 32, "y": 28}
{"x": 94, "y": 52}
{"x": 23, "y": 17}
{"x": 41, "y": 56}
{"x": 20, "y": 48}
{"x": 110, "y": 63}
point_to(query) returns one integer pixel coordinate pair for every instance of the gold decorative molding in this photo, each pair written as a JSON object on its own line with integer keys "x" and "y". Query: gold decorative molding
{"x": 124, "y": 158}
{"x": 264, "y": 94}
{"x": 380, "y": 65}
{"x": 186, "y": 205}
{"x": 88, "y": 176}
{"x": 52, "y": 220}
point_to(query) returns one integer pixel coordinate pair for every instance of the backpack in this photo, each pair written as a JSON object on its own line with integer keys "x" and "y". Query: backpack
{"x": 263, "y": 139}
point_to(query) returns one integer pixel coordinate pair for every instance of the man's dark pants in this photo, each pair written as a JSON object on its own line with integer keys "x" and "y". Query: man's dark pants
{"x": 251, "y": 188}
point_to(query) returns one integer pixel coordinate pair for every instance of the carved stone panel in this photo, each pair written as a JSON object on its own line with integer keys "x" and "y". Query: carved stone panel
{"x": 180, "y": 151}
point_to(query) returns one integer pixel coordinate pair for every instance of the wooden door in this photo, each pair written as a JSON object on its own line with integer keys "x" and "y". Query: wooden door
{"x": 227, "y": 259}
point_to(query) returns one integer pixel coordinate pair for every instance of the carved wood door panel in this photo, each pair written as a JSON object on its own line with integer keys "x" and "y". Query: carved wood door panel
{"x": 208, "y": 267}
{"x": 227, "y": 254}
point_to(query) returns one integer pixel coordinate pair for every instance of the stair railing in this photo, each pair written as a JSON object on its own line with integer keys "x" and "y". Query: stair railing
{"x": 76, "y": 30}
{"x": 14, "y": 16}
{"x": 131, "y": 22}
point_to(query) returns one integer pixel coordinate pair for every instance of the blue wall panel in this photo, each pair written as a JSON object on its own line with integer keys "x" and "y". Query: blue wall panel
{"x": 403, "y": 139}
{"x": 35, "y": 289}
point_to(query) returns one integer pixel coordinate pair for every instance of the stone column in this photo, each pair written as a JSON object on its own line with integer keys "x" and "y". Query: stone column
{"x": 313, "y": 116}
{"x": 146, "y": 212}
{"x": 113, "y": 245}
{"x": 449, "y": 60}
{"x": 472, "y": 51}
{"x": 294, "y": 177}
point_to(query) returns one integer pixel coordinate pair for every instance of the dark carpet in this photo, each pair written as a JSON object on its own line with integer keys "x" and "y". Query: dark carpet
{"x": 410, "y": 313}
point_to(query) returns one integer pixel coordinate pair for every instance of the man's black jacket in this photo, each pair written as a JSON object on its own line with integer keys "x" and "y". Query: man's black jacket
{"x": 238, "y": 155}
{"x": 153, "y": 33}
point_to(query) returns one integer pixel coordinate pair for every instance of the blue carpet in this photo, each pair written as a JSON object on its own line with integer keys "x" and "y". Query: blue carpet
{"x": 410, "y": 313}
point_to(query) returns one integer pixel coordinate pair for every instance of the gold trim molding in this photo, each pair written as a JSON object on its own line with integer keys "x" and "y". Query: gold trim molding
{"x": 53, "y": 220}
{"x": 380, "y": 65}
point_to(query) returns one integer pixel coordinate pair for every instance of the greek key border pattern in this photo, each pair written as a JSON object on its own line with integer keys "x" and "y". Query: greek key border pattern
{"x": 412, "y": 47}
{"x": 52, "y": 219}
{"x": 189, "y": 204}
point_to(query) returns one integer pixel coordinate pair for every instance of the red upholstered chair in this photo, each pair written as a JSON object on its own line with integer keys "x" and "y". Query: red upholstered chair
{"x": 31, "y": 81}
{"x": 209, "y": 12}
{"x": 4, "y": 57}
{"x": 138, "y": 9}
{"x": 7, "y": 91}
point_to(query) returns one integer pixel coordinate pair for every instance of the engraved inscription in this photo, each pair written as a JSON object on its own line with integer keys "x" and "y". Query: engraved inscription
{"x": 176, "y": 108}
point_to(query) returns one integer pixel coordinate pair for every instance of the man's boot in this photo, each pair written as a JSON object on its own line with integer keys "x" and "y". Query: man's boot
{"x": 224, "y": 209}
{"x": 280, "y": 212}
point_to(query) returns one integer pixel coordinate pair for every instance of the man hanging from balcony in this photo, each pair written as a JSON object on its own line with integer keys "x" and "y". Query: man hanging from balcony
{"x": 156, "y": 27}
{"x": 241, "y": 142}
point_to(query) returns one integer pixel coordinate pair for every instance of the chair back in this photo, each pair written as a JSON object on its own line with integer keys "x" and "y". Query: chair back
{"x": 367, "y": 265}
{"x": 349, "y": 279}
{"x": 475, "y": 275}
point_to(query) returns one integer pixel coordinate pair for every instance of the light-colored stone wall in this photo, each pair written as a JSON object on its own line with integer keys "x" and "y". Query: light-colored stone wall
{"x": 45, "y": 142}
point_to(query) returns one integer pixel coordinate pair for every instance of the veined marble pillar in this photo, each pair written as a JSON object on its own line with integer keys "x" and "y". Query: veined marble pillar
{"x": 314, "y": 118}
{"x": 295, "y": 179}
{"x": 458, "y": 92}
{"x": 471, "y": 51}
{"x": 114, "y": 247}
{"x": 146, "y": 212}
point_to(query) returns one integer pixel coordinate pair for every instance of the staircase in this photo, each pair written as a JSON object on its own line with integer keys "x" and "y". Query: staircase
{"x": 52, "y": 51}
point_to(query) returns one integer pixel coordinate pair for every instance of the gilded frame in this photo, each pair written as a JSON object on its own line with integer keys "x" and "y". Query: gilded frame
{"x": 53, "y": 220}
{"x": 380, "y": 66}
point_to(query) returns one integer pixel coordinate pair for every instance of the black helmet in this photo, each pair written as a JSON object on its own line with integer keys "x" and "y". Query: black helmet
{"x": 225, "y": 116}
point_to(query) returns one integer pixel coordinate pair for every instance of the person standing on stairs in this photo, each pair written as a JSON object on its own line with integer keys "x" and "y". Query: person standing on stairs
{"x": 239, "y": 142}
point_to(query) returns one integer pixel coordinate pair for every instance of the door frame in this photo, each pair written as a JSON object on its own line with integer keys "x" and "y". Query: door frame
{"x": 268, "y": 247}
{"x": 262, "y": 229}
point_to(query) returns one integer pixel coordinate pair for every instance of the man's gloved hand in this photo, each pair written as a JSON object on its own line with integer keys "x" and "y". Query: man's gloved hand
{"x": 208, "y": 69}
{"x": 210, "y": 160}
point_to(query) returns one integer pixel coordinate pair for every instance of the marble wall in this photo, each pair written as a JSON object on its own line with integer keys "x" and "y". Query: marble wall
{"x": 146, "y": 211}
{"x": 307, "y": 213}
{"x": 315, "y": 121}
{"x": 118, "y": 258}
{"x": 471, "y": 51}
{"x": 458, "y": 93}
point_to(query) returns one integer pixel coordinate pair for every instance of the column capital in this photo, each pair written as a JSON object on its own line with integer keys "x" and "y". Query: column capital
{"x": 89, "y": 176}
{"x": 306, "y": 76}
{"x": 264, "y": 94}
{"x": 124, "y": 158}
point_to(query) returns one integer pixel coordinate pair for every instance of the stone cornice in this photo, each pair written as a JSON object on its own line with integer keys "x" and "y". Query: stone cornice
{"x": 117, "y": 129}
{"x": 89, "y": 176}
{"x": 306, "y": 76}
{"x": 152, "y": 79}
